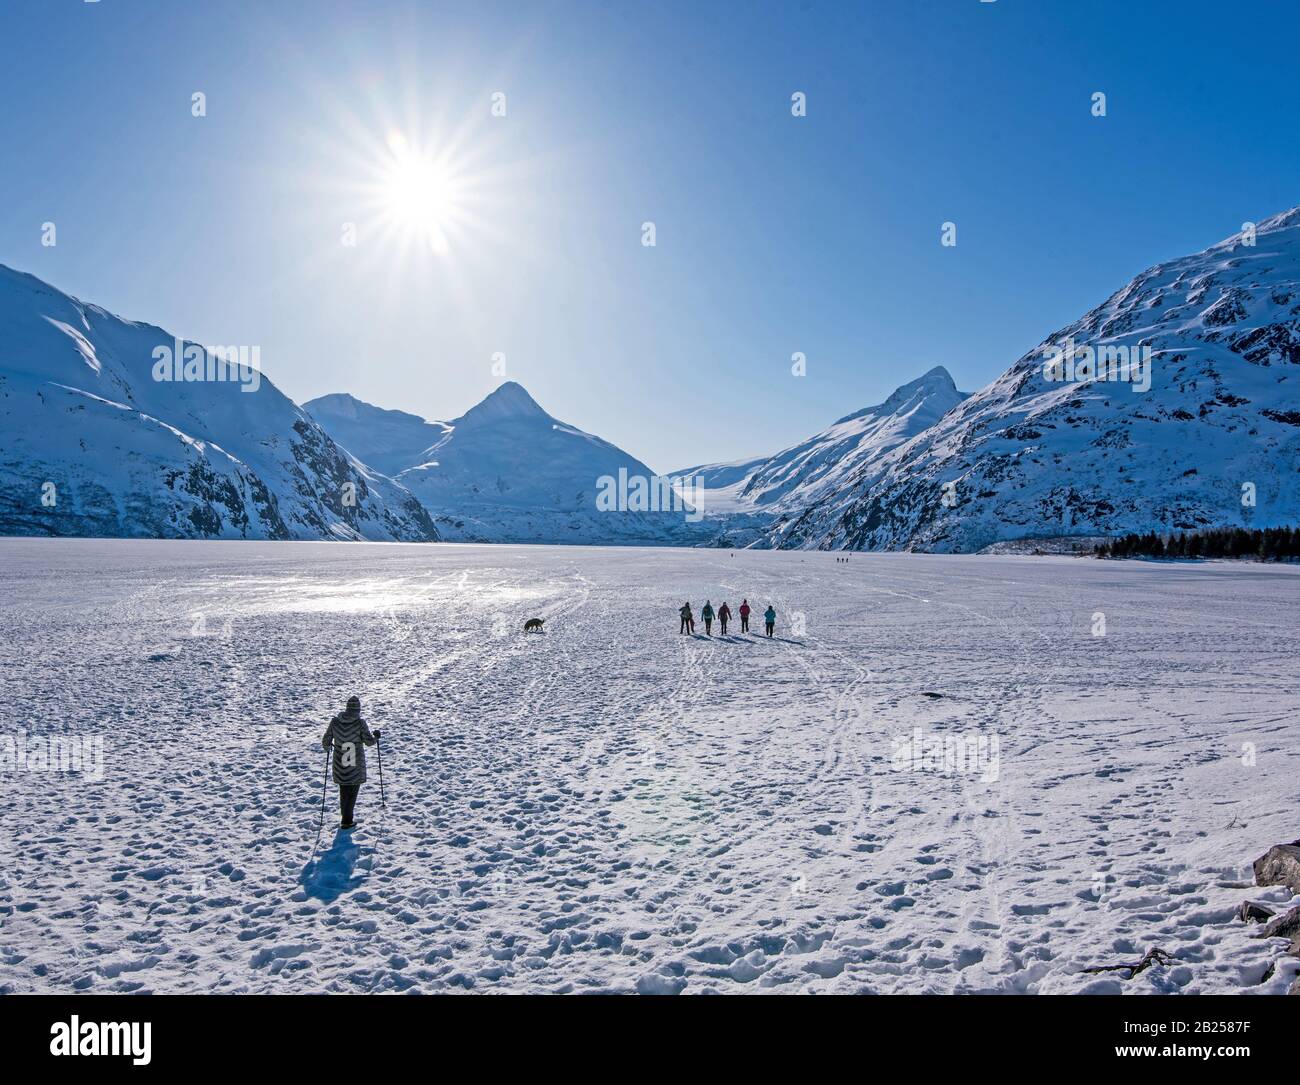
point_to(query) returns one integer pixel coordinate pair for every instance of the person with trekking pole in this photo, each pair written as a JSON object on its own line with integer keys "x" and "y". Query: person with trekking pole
{"x": 349, "y": 736}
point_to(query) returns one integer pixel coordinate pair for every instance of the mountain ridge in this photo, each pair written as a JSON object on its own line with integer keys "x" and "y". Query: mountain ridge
{"x": 1214, "y": 442}
{"x": 504, "y": 471}
{"x": 93, "y": 442}
{"x": 783, "y": 483}
{"x": 98, "y": 440}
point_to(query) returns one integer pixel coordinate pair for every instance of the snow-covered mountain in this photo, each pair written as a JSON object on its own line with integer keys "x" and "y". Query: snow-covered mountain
{"x": 92, "y": 442}
{"x": 392, "y": 440}
{"x": 1173, "y": 405}
{"x": 1215, "y": 440}
{"x": 814, "y": 470}
{"x": 505, "y": 471}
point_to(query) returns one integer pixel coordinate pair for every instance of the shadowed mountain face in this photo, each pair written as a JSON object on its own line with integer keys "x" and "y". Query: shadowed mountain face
{"x": 505, "y": 471}
{"x": 92, "y": 442}
{"x": 388, "y": 441}
{"x": 1214, "y": 440}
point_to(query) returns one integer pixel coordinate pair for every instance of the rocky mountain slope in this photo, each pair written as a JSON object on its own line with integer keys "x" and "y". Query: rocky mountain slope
{"x": 92, "y": 443}
{"x": 1055, "y": 448}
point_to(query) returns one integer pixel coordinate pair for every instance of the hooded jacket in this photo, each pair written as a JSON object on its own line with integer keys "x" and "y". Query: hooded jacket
{"x": 350, "y": 736}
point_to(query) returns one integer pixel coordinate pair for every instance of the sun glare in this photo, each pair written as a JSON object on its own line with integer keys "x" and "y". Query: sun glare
{"x": 420, "y": 195}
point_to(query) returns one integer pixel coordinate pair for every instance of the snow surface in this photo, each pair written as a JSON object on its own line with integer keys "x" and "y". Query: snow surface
{"x": 611, "y": 806}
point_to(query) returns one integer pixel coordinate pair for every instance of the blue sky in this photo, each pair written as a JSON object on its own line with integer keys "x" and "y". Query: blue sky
{"x": 775, "y": 234}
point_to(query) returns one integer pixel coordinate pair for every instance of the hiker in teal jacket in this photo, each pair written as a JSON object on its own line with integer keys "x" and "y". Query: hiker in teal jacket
{"x": 769, "y": 616}
{"x": 707, "y": 615}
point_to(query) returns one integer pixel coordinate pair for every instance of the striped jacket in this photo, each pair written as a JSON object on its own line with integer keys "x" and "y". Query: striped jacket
{"x": 350, "y": 736}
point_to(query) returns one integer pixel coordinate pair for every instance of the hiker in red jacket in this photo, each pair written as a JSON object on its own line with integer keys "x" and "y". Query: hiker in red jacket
{"x": 724, "y": 616}
{"x": 744, "y": 615}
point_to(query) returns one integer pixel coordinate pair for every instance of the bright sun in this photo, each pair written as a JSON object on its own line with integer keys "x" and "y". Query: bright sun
{"x": 420, "y": 195}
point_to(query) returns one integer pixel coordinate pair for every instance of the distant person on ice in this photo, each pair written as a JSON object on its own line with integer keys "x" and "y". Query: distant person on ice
{"x": 707, "y": 615}
{"x": 349, "y": 736}
{"x": 724, "y": 616}
{"x": 769, "y": 616}
{"x": 688, "y": 620}
{"x": 744, "y": 615}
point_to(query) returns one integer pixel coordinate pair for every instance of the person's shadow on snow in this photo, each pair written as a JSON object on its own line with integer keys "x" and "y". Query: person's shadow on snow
{"x": 331, "y": 875}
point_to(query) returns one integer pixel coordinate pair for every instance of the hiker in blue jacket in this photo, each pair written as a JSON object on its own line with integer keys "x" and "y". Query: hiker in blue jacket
{"x": 769, "y": 618}
{"x": 349, "y": 736}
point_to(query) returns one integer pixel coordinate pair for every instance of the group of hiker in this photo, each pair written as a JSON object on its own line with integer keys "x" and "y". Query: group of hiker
{"x": 723, "y": 614}
{"x": 347, "y": 736}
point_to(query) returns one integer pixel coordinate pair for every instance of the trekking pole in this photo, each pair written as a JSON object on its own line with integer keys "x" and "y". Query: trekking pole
{"x": 379, "y": 753}
{"x": 324, "y": 784}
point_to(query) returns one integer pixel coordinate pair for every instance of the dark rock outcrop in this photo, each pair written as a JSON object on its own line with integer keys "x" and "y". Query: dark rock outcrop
{"x": 1286, "y": 925}
{"x": 1252, "y": 911}
{"x": 1280, "y": 865}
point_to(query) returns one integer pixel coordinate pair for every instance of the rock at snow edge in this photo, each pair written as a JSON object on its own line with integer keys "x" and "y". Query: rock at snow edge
{"x": 1280, "y": 865}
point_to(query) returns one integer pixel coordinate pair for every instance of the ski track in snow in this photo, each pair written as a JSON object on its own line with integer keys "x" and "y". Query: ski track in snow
{"x": 611, "y": 806}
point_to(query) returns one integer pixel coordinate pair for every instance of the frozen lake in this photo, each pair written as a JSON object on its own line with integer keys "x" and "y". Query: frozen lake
{"x": 612, "y": 806}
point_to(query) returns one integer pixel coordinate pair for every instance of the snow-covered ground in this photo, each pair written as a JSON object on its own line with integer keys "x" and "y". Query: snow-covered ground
{"x": 614, "y": 807}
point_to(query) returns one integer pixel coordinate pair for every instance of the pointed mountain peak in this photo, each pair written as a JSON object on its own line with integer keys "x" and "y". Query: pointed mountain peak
{"x": 938, "y": 373}
{"x": 508, "y": 401}
{"x": 936, "y": 382}
{"x": 936, "y": 378}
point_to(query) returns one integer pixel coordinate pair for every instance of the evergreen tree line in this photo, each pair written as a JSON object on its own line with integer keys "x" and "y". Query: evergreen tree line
{"x": 1266, "y": 544}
